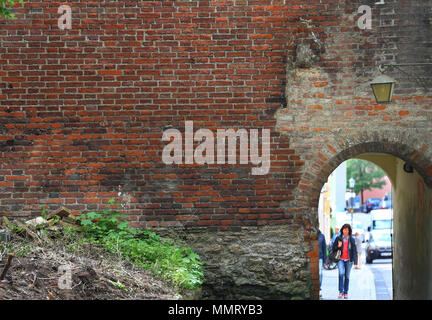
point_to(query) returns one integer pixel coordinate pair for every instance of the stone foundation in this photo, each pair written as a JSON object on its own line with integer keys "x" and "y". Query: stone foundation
{"x": 268, "y": 262}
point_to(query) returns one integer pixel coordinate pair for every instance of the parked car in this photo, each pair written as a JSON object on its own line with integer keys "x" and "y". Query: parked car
{"x": 372, "y": 203}
{"x": 379, "y": 245}
{"x": 382, "y": 219}
{"x": 386, "y": 203}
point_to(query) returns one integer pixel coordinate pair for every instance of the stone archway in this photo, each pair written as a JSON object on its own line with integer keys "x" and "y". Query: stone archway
{"x": 412, "y": 202}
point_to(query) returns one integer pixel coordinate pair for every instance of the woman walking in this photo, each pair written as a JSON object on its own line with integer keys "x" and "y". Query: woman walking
{"x": 346, "y": 243}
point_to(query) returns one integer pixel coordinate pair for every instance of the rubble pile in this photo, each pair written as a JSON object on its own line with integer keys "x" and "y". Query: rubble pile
{"x": 40, "y": 259}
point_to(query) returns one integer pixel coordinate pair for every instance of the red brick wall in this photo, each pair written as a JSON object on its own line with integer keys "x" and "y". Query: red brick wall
{"x": 83, "y": 110}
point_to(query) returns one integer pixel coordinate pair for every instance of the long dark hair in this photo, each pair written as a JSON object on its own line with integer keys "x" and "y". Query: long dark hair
{"x": 346, "y": 225}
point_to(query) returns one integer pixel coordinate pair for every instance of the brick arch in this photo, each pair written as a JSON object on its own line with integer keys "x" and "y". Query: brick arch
{"x": 335, "y": 151}
{"x": 323, "y": 162}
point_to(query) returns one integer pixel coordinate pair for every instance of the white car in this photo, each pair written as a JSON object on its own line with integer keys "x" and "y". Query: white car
{"x": 379, "y": 245}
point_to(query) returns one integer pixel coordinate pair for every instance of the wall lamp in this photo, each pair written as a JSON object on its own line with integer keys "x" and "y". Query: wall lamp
{"x": 383, "y": 86}
{"x": 408, "y": 168}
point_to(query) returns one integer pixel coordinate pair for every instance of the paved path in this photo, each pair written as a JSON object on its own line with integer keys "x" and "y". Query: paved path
{"x": 362, "y": 284}
{"x": 382, "y": 271}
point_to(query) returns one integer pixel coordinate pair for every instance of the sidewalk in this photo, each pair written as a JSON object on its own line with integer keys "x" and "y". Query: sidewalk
{"x": 361, "y": 286}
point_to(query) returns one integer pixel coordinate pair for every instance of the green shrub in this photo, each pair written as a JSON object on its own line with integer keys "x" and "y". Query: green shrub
{"x": 143, "y": 248}
{"x": 5, "y": 8}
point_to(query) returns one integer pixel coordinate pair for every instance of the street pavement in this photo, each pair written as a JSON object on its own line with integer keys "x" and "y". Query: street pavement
{"x": 382, "y": 271}
{"x": 361, "y": 286}
{"x": 370, "y": 282}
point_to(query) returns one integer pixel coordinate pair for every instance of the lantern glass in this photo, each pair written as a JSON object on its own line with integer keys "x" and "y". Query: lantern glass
{"x": 383, "y": 88}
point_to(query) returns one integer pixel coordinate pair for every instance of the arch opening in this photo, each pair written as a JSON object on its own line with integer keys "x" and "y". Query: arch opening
{"x": 412, "y": 214}
{"x": 358, "y": 193}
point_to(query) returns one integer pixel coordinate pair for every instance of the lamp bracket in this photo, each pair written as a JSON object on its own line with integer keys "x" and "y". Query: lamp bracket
{"x": 424, "y": 82}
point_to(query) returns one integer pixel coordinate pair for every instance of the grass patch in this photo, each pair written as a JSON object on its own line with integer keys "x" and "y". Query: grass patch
{"x": 161, "y": 256}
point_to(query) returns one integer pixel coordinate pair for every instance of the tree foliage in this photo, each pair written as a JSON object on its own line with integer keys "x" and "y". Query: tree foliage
{"x": 367, "y": 176}
{"x": 5, "y": 8}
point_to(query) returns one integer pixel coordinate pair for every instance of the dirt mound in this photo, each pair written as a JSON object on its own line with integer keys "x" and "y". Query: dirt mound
{"x": 54, "y": 271}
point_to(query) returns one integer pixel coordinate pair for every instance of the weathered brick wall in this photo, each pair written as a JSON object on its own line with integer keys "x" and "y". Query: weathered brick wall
{"x": 337, "y": 111}
{"x": 82, "y": 111}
